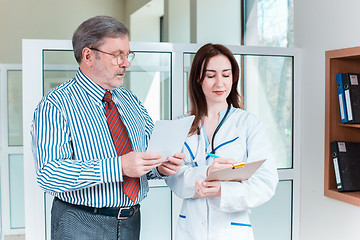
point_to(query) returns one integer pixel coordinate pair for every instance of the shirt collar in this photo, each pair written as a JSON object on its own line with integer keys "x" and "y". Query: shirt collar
{"x": 91, "y": 88}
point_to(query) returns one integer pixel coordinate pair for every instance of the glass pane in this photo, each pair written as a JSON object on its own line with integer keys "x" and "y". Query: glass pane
{"x": 266, "y": 22}
{"x": 1, "y": 214}
{"x": 269, "y": 95}
{"x": 48, "y": 201}
{"x": 59, "y": 66}
{"x": 15, "y": 128}
{"x": 274, "y": 217}
{"x": 156, "y": 214}
{"x": 269, "y": 23}
{"x": 187, "y": 21}
{"x": 149, "y": 79}
{"x": 188, "y": 58}
{"x": 53, "y": 78}
{"x": 16, "y": 186}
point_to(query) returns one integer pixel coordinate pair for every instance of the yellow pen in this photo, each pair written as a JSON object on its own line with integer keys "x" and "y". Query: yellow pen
{"x": 239, "y": 165}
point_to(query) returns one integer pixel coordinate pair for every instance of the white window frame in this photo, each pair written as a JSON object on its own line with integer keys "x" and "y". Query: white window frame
{"x": 33, "y": 75}
{"x": 5, "y": 151}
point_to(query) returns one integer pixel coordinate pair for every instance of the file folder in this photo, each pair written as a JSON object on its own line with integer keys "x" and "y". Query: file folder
{"x": 341, "y": 95}
{"x": 346, "y": 160}
{"x": 352, "y": 96}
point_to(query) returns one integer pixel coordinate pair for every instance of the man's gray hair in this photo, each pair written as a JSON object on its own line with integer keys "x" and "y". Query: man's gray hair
{"x": 92, "y": 32}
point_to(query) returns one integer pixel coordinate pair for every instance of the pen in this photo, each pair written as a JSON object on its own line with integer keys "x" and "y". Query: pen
{"x": 213, "y": 155}
{"x": 238, "y": 165}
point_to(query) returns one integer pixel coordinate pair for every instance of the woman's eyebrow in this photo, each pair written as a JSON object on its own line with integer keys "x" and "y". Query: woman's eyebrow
{"x": 211, "y": 70}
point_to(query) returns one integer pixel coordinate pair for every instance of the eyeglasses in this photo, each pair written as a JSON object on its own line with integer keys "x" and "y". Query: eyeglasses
{"x": 119, "y": 57}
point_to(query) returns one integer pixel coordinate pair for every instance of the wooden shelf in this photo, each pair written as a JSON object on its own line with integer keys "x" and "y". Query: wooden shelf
{"x": 336, "y": 61}
{"x": 348, "y": 197}
{"x": 350, "y": 125}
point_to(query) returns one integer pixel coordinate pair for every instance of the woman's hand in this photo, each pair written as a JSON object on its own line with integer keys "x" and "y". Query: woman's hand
{"x": 172, "y": 166}
{"x": 220, "y": 163}
{"x": 207, "y": 189}
{"x": 212, "y": 189}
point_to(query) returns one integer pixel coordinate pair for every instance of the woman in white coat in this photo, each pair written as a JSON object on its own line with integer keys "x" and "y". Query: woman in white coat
{"x": 220, "y": 210}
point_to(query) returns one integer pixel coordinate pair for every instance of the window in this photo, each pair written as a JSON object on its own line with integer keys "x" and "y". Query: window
{"x": 269, "y": 23}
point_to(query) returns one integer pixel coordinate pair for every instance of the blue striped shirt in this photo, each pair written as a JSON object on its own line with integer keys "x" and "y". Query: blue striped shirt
{"x": 74, "y": 153}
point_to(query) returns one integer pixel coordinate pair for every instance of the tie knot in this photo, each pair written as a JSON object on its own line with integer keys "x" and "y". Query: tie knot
{"x": 107, "y": 97}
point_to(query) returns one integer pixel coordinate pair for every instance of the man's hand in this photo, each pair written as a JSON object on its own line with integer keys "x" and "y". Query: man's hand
{"x": 136, "y": 164}
{"x": 207, "y": 189}
{"x": 172, "y": 166}
{"x": 220, "y": 163}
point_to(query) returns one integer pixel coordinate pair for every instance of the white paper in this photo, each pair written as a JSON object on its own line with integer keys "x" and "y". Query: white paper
{"x": 168, "y": 136}
{"x": 342, "y": 146}
{"x": 354, "y": 80}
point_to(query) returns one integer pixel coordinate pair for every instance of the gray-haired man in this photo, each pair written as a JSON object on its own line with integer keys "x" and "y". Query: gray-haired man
{"x": 89, "y": 139}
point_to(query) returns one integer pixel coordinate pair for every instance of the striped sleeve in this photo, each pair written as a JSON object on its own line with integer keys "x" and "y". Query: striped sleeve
{"x": 111, "y": 170}
{"x": 51, "y": 141}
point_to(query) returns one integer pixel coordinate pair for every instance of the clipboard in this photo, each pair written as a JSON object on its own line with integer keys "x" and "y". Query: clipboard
{"x": 235, "y": 174}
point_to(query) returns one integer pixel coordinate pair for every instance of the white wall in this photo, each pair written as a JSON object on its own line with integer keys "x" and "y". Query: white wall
{"x": 132, "y": 6}
{"x": 320, "y": 26}
{"x": 213, "y": 24}
{"x": 178, "y": 15}
{"x": 145, "y": 22}
{"x": 43, "y": 19}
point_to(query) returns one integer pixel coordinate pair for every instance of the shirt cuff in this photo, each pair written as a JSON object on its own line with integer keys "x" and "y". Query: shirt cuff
{"x": 111, "y": 170}
{"x": 154, "y": 174}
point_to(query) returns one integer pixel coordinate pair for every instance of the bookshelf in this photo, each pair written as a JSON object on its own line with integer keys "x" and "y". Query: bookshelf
{"x": 336, "y": 61}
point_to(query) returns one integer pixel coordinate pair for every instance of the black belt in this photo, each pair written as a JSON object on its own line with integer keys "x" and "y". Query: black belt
{"x": 119, "y": 212}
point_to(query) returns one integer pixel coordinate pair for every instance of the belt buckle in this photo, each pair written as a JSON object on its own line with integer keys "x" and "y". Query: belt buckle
{"x": 119, "y": 213}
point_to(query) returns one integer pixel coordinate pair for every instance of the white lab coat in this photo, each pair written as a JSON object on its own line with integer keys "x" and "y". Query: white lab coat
{"x": 242, "y": 137}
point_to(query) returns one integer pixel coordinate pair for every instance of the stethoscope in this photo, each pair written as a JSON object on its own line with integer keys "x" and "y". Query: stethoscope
{"x": 193, "y": 162}
{"x": 218, "y": 128}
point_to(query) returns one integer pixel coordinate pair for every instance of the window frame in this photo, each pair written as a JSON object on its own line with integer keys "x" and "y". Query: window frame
{"x": 5, "y": 152}
{"x": 32, "y": 71}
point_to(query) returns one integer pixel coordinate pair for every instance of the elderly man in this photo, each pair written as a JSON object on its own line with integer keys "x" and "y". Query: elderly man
{"x": 89, "y": 138}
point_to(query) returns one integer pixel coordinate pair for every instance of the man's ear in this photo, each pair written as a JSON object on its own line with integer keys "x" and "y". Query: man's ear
{"x": 88, "y": 57}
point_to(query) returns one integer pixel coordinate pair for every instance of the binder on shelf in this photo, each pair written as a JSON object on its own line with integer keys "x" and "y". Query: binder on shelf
{"x": 341, "y": 95}
{"x": 346, "y": 159}
{"x": 352, "y": 96}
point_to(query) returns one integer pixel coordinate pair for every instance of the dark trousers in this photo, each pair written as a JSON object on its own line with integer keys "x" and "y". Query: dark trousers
{"x": 71, "y": 222}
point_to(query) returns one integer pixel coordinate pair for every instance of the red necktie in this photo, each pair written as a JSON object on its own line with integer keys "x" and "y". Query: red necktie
{"x": 130, "y": 186}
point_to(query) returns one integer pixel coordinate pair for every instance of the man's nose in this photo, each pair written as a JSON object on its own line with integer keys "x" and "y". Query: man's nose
{"x": 124, "y": 63}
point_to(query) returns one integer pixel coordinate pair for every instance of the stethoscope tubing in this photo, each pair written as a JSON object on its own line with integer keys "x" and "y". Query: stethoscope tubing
{"x": 212, "y": 140}
{"x": 218, "y": 128}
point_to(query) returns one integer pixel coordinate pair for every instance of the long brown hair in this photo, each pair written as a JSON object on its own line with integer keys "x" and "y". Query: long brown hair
{"x": 198, "y": 105}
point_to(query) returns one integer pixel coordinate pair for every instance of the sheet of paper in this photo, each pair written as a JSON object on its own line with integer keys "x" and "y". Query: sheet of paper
{"x": 168, "y": 136}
